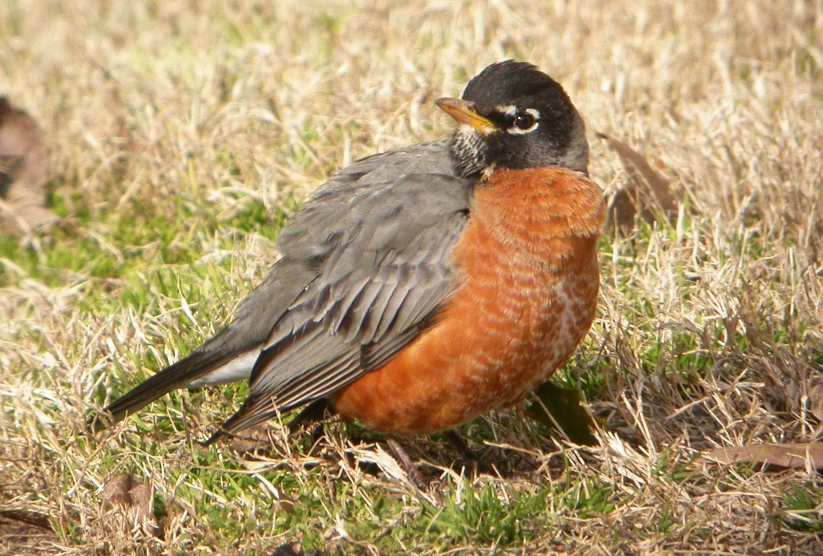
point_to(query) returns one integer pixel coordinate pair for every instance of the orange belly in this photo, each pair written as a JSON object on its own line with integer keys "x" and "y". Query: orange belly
{"x": 529, "y": 280}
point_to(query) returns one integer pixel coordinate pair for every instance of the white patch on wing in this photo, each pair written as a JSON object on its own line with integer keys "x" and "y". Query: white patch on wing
{"x": 238, "y": 368}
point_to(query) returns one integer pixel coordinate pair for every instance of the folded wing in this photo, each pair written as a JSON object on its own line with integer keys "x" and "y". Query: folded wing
{"x": 366, "y": 263}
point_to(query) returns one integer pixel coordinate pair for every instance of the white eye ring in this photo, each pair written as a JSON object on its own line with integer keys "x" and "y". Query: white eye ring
{"x": 528, "y": 122}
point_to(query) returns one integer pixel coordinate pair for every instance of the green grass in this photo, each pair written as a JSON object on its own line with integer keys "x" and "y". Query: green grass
{"x": 182, "y": 138}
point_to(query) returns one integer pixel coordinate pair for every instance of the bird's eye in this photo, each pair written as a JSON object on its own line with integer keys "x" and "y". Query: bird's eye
{"x": 524, "y": 121}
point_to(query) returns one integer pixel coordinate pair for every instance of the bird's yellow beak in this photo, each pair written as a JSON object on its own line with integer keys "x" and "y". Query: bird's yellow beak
{"x": 463, "y": 112}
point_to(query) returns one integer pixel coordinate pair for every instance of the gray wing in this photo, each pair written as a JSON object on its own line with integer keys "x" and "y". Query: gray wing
{"x": 365, "y": 263}
{"x": 383, "y": 270}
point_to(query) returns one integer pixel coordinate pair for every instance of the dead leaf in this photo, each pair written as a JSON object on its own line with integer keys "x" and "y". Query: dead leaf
{"x": 621, "y": 211}
{"x": 116, "y": 492}
{"x": 142, "y": 501}
{"x": 26, "y": 533}
{"x": 816, "y": 398}
{"x": 23, "y": 173}
{"x": 253, "y": 441}
{"x": 125, "y": 494}
{"x": 35, "y": 519}
{"x": 654, "y": 193}
{"x": 286, "y": 504}
{"x": 560, "y": 408}
{"x": 780, "y": 455}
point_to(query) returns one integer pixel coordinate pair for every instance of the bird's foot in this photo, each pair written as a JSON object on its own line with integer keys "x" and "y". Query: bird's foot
{"x": 411, "y": 469}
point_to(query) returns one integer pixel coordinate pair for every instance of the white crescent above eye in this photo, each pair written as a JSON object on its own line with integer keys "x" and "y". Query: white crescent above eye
{"x": 525, "y": 122}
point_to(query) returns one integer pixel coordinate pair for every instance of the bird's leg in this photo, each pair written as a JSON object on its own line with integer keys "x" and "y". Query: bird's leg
{"x": 415, "y": 476}
{"x": 458, "y": 442}
{"x": 312, "y": 413}
{"x": 468, "y": 454}
{"x": 316, "y": 411}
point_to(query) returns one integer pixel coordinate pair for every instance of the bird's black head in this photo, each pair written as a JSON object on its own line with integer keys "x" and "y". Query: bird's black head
{"x": 514, "y": 116}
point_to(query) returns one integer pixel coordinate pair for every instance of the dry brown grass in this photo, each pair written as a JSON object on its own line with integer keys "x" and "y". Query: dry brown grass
{"x": 172, "y": 126}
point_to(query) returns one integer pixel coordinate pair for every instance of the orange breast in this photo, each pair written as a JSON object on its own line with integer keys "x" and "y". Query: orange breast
{"x": 529, "y": 281}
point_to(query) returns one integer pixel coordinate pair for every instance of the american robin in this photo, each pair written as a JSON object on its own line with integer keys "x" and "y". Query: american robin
{"x": 422, "y": 287}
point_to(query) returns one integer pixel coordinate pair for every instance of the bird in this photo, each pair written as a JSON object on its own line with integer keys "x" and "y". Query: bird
{"x": 422, "y": 287}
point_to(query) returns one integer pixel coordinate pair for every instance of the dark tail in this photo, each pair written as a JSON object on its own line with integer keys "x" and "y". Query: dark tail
{"x": 171, "y": 378}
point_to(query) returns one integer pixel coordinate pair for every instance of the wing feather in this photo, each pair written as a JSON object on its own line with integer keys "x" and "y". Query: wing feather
{"x": 366, "y": 264}
{"x": 368, "y": 302}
